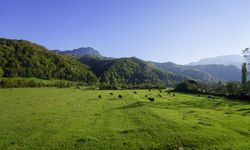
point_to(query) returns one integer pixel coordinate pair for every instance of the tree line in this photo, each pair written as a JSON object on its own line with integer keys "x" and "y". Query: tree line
{"x": 239, "y": 90}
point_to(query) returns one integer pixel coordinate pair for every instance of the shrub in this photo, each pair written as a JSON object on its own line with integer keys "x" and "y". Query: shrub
{"x": 190, "y": 86}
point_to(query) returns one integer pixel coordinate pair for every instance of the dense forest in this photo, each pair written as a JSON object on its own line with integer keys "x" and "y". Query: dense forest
{"x": 19, "y": 58}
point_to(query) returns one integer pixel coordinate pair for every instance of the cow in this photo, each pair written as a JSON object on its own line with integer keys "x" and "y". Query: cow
{"x": 211, "y": 97}
{"x": 99, "y": 96}
{"x": 151, "y": 99}
{"x": 135, "y": 92}
{"x": 173, "y": 94}
{"x": 146, "y": 96}
{"x": 111, "y": 93}
{"x": 120, "y": 96}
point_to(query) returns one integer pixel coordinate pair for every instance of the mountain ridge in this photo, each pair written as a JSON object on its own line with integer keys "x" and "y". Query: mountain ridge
{"x": 80, "y": 51}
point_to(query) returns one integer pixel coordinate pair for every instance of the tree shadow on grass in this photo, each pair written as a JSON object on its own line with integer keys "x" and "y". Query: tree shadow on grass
{"x": 244, "y": 109}
{"x": 112, "y": 99}
{"x": 133, "y": 105}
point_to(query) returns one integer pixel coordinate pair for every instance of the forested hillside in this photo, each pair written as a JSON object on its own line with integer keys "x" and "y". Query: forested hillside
{"x": 129, "y": 71}
{"x": 19, "y": 58}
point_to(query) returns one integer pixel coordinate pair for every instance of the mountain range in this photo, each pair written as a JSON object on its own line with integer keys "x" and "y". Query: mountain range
{"x": 26, "y": 59}
{"x": 205, "y": 70}
{"x": 235, "y": 60}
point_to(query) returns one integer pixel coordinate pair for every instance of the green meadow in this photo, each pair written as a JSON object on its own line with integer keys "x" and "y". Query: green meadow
{"x": 71, "y": 118}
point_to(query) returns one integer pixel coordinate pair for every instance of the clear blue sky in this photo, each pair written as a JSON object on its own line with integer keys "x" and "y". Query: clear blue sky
{"x": 160, "y": 30}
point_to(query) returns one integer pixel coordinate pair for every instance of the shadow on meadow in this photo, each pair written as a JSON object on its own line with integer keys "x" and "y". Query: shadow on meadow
{"x": 133, "y": 105}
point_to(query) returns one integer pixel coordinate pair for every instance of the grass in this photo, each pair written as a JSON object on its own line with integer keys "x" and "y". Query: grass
{"x": 52, "y": 118}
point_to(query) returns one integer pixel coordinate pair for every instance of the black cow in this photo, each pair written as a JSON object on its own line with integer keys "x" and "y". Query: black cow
{"x": 146, "y": 95}
{"x": 173, "y": 94}
{"x": 100, "y": 96}
{"x": 211, "y": 97}
{"x": 135, "y": 92}
{"x": 120, "y": 96}
{"x": 151, "y": 99}
{"x": 111, "y": 93}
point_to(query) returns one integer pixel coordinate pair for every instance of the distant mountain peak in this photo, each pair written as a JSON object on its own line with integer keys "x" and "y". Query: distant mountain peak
{"x": 82, "y": 51}
{"x": 235, "y": 60}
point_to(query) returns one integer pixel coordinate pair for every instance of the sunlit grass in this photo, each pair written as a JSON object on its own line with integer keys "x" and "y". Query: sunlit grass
{"x": 52, "y": 118}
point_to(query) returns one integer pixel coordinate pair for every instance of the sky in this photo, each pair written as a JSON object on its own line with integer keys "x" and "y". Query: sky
{"x": 180, "y": 31}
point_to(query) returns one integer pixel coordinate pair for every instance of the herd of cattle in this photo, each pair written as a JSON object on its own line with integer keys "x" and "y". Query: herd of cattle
{"x": 150, "y": 98}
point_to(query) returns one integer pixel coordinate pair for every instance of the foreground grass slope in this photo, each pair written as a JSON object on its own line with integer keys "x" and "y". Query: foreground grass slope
{"x": 51, "y": 118}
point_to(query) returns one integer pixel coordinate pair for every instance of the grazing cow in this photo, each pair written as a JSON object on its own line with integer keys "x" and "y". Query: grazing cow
{"x": 100, "y": 96}
{"x": 119, "y": 96}
{"x": 111, "y": 93}
{"x": 173, "y": 94}
{"x": 211, "y": 97}
{"x": 146, "y": 95}
{"x": 135, "y": 92}
{"x": 159, "y": 95}
{"x": 149, "y": 90}
{"x": 151, "y": 99}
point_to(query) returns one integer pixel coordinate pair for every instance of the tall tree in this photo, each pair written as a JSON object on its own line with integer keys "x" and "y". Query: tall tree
{"x": 1, "y": 72}
{"x": 244, "y": 76}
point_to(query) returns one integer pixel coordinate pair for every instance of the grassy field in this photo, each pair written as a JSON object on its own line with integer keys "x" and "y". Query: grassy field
{"x": 53, "y": 118}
